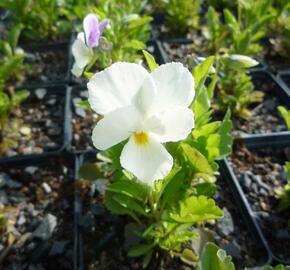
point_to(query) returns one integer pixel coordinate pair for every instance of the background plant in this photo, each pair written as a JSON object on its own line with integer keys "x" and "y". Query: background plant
{"x": 167, "y": 215}
{"x": 182, "y": 15}
{"x": 10, "y": 99}
{"x": 41, "y": 19}
{"x": 235, "y": 87}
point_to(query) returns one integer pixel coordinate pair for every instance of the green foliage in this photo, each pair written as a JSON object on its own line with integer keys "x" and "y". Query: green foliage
{"x": 182, "y": 15}
{"x": 128, "y": 32}
{"x": 195, "y": 210}
{"x": 284, "y": 194}
{"x": 235, "y": 89}
{"x": 213, "y": 258}
{"x": 216, "y": 32}
{"x": 239, "y": 34}
{"x": 286, "y": 115}
{"x": 150, "y": 61}
{"x": 41, "y": 19}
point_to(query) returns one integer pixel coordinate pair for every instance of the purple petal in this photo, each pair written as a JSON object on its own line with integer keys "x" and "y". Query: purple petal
{"x": 92, "y": 32}
{"x": 103, "y": 24}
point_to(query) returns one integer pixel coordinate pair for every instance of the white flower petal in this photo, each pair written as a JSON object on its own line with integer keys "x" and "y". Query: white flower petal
{"x": 177, "y": 123}
{"x": 115, "y": 127}
{"x": 81, "y": 36}
{"x": 147, "y": 162}
{"x": 81, "y": 53}
{"x": 115, "y": 86}
{"x": 175, "y": 86}
{"x": 144, "y": 98}
{"x": 76, "y": 70}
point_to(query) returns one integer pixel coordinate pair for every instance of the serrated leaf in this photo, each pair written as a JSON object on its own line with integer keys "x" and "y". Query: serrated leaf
{"x": 196, "y": 209}
{"x": 213, "y": 258}
{"x": 150, "y": 61}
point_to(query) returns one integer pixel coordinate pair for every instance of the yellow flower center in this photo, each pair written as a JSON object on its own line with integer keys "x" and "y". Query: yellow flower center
{"x": 141, "y": 138}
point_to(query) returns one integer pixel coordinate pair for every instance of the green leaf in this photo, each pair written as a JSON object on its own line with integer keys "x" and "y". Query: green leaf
{"x": 10, "y": 66}
{"x": 117, "y": 208}
{"x": 19, "y": 96}
{"x": 287, "y": 170}
{"x": 140, "y": 250}
{"x": 231, "y": 20}
{"x": 129, "y": 188}
{"x": 196, "y": 209}
{"x": 129, "y": 203}
{"x": 197, "y": 161}
{"x": 150, "y": 61}
{"x": 286, "y": 115}
{"x": 4, "y": 103}
{"x": 14, "y": 35}
{"x": 201, "y": 72}
{"x": 213, "y": 258}
{"x": 243, "y": 41}
{"x": 90, "y": 172}
{"x": 135, "y": 44}
{"x": 84, "y": 105}
{"x": 226, "y": 141}
{"x": 277, "y": 267}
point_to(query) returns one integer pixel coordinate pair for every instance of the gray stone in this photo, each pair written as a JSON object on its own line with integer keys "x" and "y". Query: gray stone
{"x": 232, "y": 249}
{"x": 80, "y": 112}
{"x": 31, "y": 169}
{"x": 58, "y": 248}
{"x": 46, "y": 228}
{"x": 3, "y": 197}
{"x": 46, "y": 187}
{"x": 225, "y": 226}
{"x": 52, "y": 101}
{"x": 40, "y": 93}
{"x": 21, "y": 219}
{"x": 5, "y": 180}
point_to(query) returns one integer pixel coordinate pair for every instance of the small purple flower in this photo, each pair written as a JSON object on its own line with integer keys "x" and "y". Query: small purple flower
{"x": 93, "y": 29}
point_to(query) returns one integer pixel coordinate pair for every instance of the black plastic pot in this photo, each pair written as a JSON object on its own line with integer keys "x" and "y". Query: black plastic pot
{"x": 264, "y": 142}
{"x": 61, "y": 48}
{"x": 70, "y": 162}
{"x": 62, "y": 92}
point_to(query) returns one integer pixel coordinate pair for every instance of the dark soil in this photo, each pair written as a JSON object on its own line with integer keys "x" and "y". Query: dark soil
{"x": 42, "y": 197}
{"x": 83, "y": 122}
{"x": 232, "y": 234}
{"x": 261, "y": 173}
{"x": 37, "y": 126}
{"x": 265, "y": 116}
{"x": 46, "y": 66}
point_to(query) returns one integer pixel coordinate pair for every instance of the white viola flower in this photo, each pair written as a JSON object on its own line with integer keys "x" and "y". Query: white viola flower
{"x": 82, "y": 48}
{"x": 82, "y": 54}
{"x": 148, "y": 108}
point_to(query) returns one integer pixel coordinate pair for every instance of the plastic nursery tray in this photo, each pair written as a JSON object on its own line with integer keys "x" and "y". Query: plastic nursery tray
{"x": 284, "y": 79}
{"x": 71, "y": 163}
{"x": 61, "y": 47}
{"x": 63, "y": 92}
{"x": 78, "y": 91}
{"x": 269, "y": 141}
